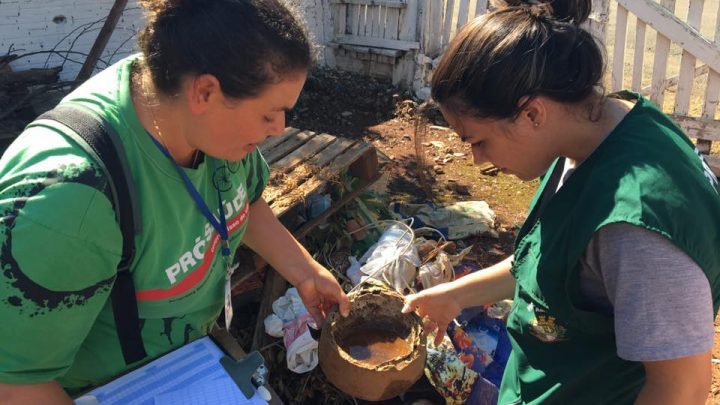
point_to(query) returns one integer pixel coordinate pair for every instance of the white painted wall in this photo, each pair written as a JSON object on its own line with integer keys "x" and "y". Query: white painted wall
{"x": 41, "y": 25}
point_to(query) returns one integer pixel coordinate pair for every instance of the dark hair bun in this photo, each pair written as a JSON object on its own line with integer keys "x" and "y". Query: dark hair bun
{"x": 573, "y": 11}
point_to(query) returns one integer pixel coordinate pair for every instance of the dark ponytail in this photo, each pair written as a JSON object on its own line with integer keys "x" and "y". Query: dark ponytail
{"x": 572, "y": 11}
{"x": 523, "y": 48}
{"x": 245, "y": 44}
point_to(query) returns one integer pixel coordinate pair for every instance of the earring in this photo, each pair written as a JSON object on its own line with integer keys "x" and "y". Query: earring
{"x": 536, "y": 124}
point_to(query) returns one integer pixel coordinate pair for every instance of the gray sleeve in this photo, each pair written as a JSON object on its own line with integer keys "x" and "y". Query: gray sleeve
{"x": 659, "y": 296}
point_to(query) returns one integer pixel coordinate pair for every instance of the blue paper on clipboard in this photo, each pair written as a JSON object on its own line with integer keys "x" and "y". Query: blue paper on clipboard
{"x": 190, "y": 375}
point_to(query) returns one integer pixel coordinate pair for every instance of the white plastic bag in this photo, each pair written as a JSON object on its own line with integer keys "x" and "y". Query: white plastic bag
{"x": 393, "y": 258}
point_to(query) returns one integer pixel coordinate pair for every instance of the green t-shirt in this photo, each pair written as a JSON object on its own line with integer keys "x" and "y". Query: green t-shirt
{"x": 61, "y": 245}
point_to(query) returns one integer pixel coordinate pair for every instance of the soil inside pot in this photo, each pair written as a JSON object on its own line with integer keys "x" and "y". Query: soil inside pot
{"x": 375, "y": 346}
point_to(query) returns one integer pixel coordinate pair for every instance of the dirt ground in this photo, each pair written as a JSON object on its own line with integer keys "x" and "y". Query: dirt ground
{"x": 372, "y": 110}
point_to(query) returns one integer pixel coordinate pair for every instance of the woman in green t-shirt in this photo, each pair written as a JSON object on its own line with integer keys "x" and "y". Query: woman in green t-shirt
{"x": 213, "y": 80}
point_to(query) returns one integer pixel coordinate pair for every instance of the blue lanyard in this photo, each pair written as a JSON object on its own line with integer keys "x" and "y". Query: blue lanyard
{"x": 220, "y": 226}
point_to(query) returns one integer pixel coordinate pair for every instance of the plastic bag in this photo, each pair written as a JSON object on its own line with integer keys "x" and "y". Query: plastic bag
{"x": 455, "y": 221}
{"x": 393, "y": 258}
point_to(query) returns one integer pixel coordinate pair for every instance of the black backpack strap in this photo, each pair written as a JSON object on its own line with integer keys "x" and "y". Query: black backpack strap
{"x": 94, "y": 135}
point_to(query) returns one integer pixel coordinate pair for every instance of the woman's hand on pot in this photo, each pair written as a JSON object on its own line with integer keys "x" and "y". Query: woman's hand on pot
{"x": 320, "y": 292}
{"x": 437, "y": 306}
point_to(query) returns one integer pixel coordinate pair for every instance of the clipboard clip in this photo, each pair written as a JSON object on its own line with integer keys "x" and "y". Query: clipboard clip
{"x": 248, "y": 373}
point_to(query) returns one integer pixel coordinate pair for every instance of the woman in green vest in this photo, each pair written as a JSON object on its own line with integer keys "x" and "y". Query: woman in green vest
{"x": 212, "y": 80}
{"x": 616, "y": 272}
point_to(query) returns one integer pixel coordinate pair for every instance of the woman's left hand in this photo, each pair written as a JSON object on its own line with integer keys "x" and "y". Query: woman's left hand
{"x": 320, "y": 292}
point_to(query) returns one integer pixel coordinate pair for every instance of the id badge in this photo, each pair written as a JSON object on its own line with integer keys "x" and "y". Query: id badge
{"x": 228, "y": 302}
{"x": 229, "y": 270}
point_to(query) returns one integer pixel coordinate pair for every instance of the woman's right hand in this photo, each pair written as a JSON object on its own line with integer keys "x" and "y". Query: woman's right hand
{"x": 437, "y": 306}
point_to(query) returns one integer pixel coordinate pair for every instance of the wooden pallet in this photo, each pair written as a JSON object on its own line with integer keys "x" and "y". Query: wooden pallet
{"x": 302, "y": 163}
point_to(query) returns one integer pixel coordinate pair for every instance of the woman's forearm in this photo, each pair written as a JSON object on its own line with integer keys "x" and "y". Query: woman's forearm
{"x": 266, "y": 236}
{"x": 487, "y": 286}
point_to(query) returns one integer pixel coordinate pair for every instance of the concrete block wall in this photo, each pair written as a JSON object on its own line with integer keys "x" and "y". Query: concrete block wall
{"x": 64, "y": 25}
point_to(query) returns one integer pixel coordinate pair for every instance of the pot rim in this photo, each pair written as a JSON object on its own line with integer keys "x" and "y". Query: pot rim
{"x": 415, "y": 338}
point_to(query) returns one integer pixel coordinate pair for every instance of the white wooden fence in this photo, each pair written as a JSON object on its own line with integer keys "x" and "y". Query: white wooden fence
{"x": 666, "y": 49}
{"x": 669, "y": 51}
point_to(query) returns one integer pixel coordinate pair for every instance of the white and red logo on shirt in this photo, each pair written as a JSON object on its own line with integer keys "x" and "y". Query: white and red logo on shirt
{"x": 203, "y": 252}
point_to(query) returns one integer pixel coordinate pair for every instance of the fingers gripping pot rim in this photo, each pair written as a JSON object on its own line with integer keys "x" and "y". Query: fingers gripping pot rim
{"x": 375, "y": 319}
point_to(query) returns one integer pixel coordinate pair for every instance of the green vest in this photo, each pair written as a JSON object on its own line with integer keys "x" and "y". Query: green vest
{"x": 645, "y": 173}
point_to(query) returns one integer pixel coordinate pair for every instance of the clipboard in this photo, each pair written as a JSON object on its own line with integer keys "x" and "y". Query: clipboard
{"x": 190, "y": 375}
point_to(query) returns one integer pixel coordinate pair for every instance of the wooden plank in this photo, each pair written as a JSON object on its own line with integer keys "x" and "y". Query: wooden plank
{"x": 301, "y": 154}
{"x": 618, "y": 70}
{"x": 305, "y": 170}
{"x": 281, "y": 150}
{"x": 337, "y": 147}
{"x": 378, "y": 27}
{"x": 101, "y": 41}
{"x": 640, "y": 29}
{"x": 687, "y": 62}
{"x": 363, "y": 21}
{"x": 712, "y": 92}
{"x": 662, "y": 51}
{"x": 370, "y": 20}
{"x": 275, "y": 140}
{"x": 325, "y": 13}
{"x": 341, "y": 162}
{"x": 463, "y": 12}
{"x": 701, "y": 128}
{"x": 673, "y": 29}
{"x": 353, "y": 19}
{"x": 378, "y": 42}
{"x": 408, "y": 25}
{"x": 340, "y": 19}
{"x": 365, "y": 167}
{"x": 392, "y": 24}
{"x": 447, "y": 22}
{"x": 390, "y": 53}
{"x": 673, "y": 80}
{"x": 432, "y": 40}
{"x": 384, "y": 18}
{"x": 384, "y": 3}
